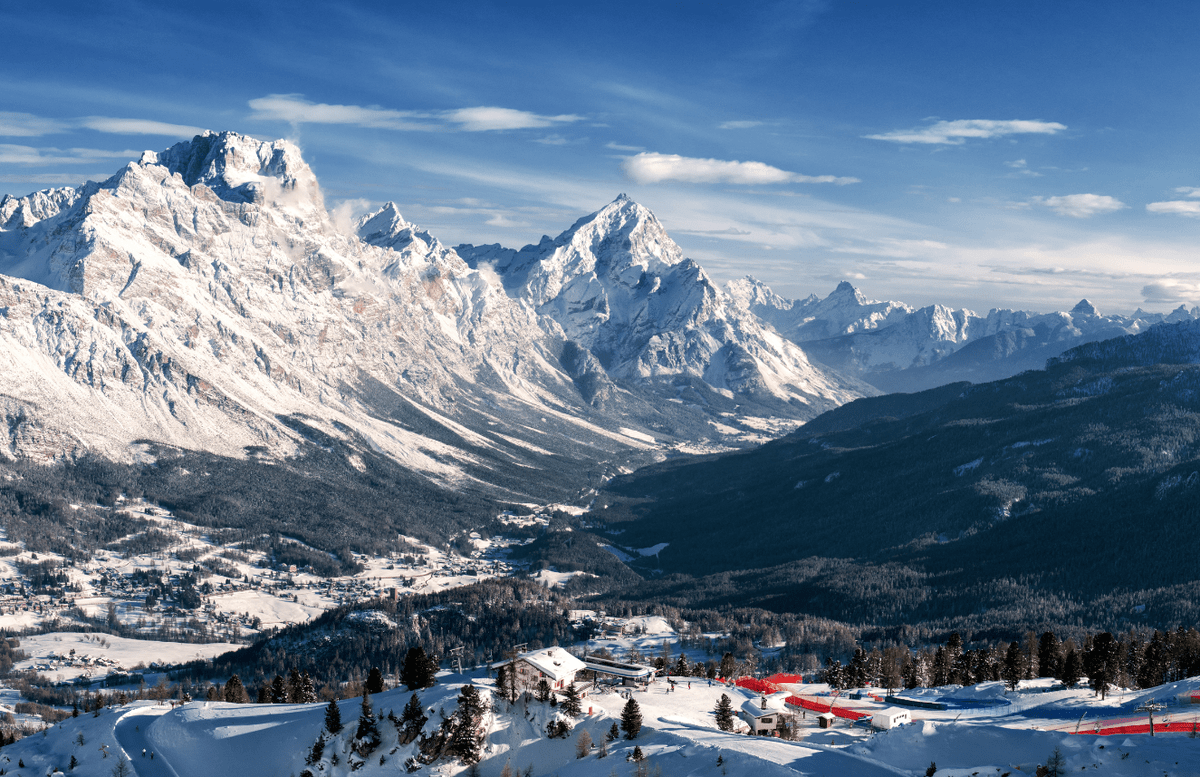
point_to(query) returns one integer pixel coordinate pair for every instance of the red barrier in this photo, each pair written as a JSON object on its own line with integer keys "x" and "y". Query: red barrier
{"x": 840, "y": 712}
{"x": 1184, "y": 727}
{"x": 779, "y": 679}
{"x": 756, "y": 685}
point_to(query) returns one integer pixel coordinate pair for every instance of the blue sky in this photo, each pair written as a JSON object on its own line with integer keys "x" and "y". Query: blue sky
{"x": 1012, "y": 154}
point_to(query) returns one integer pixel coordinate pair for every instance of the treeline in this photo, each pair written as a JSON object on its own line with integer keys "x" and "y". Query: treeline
{"x": 1130, "y": 660}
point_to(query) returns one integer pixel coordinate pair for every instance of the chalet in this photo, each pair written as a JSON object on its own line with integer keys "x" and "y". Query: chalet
{"x": 763, "y": 714}
{"x": 890, "y": 718}
{"x": 554, "y": 664}
{"x": 826, "y": 719}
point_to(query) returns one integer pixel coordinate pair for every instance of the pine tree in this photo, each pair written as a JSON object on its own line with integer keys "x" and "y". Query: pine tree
{"x": 542, "y": 692}
{"x": 333, "y": 718}
{"x": 279, "y": 693}
{"x": 724, "y": 713}
{"x": 264, "y": 694}
{"x": 366, "y": 738}
{"x": 374, "y": 681}
{"x": 412, "y": 720}
{"x": 294, "y": 687}
{"x": 234, "y": 691}
{"x": 1014, "y": 668}
{"x": 572, "y": 705}
{"x": 1056, "y": 766}
{"x": 318, "y": 750}
{"x": 638, "y": 755}
{"x": 1049, "y": 655}
{"x": 74, "y": 762}
{"x": 631, "y": 719}
{"x": 74, "y": 709}
{"x": 419, "y": 669}
{"x": 1101, "y": 663}
{"x": 466, "y": 739}
{"x": 613, "y": 734}
{"x": 1072, "y": 669}
{"x": 932, "y": 770}
{"x": 728, "y": 667}
{"x": 308, "y": 692}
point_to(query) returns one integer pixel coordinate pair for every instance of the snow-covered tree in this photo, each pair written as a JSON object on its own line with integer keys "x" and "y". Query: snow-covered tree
{"x": 366, "y": 738}
{"x": 412, "y": 720}
{"x": 572, "y": 705}
{"x": 466, "y": 739}
{"x": 278, "y": 690}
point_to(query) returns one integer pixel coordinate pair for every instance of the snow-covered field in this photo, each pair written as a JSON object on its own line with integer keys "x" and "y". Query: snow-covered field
{"x": 65, "y": 656}
{"x": 679, "y": 737}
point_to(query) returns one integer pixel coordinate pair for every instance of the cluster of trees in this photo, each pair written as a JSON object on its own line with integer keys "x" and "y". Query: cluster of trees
{"x": 1133, "y": 660}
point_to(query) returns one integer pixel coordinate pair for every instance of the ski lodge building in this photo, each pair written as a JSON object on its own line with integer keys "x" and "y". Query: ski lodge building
{"x": 763, "y": 715}
{"x": 554, "y": 664}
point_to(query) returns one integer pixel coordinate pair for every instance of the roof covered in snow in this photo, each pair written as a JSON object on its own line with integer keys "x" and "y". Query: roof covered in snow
{"x": 554, "y": 662}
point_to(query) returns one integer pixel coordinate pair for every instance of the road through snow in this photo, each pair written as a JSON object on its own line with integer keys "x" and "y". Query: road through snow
{"x": 131, "y": 736}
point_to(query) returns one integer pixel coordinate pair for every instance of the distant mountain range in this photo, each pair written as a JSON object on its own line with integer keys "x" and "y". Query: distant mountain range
{"x": 895, "y": 347}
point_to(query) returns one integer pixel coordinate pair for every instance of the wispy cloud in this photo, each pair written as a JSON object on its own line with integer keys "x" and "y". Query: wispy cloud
{"x": 619, "y": 147}
{"x": 139, "y": 127}
{"x": 1081, "y": 206}
{"x": 1189, "y": 208}
{"x": 956, "y": 133}
{"x": 1022, "y": 168}
{"x": 743, "y": 124}
{"x": 293, "y": 108}
{"x": 26, "y": 125}
{"x": 726, "y": 231}
{"x": 650, "y": 167}
{"x": 484, "y": 119}
{"x": 28, "y": 155}
{"x": 1188, "y": 191}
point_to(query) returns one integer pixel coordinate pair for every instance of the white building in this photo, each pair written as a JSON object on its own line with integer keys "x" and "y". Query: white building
{"x": 890, "y": 718}
{"x": 554, "y": 664}
{"x": 763, "y": 714}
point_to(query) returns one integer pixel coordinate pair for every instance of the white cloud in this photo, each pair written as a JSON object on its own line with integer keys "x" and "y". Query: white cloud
{"x": 1188, "y": 191}
{"x": 139, "y": 127}
{"x": 1169, "y": 290}
{"x": 650, "y": 167}
{"x": 26, "y": 125}
{"x": 28, "y": 155}
{"x": 619, "y": 147}
{"x": 1178, "y": 207}
{"x": 1081, "y": 206}
{"x": 956, "y": 133}
{"x": 295, "y": 109}
{"x": 1019, "y": 164}
{"x": 739, "y": 124}
{"x": 484, "y": 119}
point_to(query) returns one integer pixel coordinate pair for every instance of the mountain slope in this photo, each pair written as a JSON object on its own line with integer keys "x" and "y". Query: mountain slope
{"x": 1078, "y": 481}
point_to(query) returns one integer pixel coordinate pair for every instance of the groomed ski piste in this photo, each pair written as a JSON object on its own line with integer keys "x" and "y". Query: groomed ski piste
{"x": 679, "y": 736}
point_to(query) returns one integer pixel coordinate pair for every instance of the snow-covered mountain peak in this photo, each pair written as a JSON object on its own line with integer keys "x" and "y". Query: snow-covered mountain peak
{"x": 1084, "y": 308}
{"x": 242, "y": 169}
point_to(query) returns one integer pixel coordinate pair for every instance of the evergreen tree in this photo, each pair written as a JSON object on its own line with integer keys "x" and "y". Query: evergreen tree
{"x": 412, "y": 720}
{"x": 638, "y": 755}
{"x": 542, "y": 692}
{"x": 631, "y": 719}
{"x": 419, "y": 669}
{"x": 1049, "y": 655}
{"x": 308, "y": 692}
{"x": 295, "y": 691}
{"x": 264, "y": 694}
{"x": 1072, "y": 669}
{"x": 728, "y": 667}
{"x": 1102, "y": 663}
{"x": 1014, "y": 666}
{"x": 374, "y": 681}
{"x": 318, "y": 750}
{"x": 366, "y": 738}
{"x": 932, "y": 770}
{"x": 333, "y": 718}
{"x": 234, "y": 691}
{"x": 613, "y": 733}
{"x": 466, "y": 739}
{"x": 682, "y": 668}
{"x": 724, "y": 713}
{"x": 74, "y": 762}
{"x": 279, "y": 694}
{"x": 1056, "y": 766}
{"x": 572, "y": 705}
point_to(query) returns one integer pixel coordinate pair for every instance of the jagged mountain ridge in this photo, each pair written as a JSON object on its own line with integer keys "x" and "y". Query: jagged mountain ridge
{"x": 624, "y": 293}
{"x": 895, "y": 347}
{"x": 203, "y": 298}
